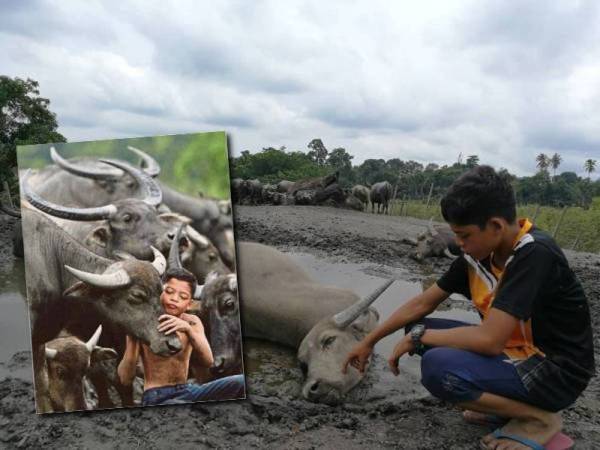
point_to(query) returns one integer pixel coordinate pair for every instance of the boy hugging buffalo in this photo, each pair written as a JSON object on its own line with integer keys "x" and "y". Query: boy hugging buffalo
{"x": 165, "y": 376}
{"x": 532, "y": 354}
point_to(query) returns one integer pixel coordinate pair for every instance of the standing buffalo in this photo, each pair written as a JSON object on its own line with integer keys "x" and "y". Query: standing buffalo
{"x": 381, "y": 193}
{"x": 281, "y": 303}
{"x": 284, "y": 186}
{"x": 68, "y": 360}
{"x": 60, "y": 270}
{"x": 362, "y": 193}
{"x": 251, "y": 191}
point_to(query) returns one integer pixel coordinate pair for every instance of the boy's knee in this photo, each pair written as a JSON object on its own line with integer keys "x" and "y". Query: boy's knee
{"x": 443, "y": 379}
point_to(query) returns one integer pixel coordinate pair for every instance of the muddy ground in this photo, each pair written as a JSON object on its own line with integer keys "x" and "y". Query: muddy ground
{"x": 273, "y": 416}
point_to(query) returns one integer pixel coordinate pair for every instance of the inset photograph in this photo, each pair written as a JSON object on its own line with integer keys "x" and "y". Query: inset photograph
{"x": 130, "y": 272}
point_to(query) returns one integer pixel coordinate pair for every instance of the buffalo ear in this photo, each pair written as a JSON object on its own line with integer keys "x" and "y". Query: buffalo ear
{"x": 99, "y": 236}
{"x": 78, "y": 291}
{"x": 102, "y": 354}
{"x": 365, "y": 322}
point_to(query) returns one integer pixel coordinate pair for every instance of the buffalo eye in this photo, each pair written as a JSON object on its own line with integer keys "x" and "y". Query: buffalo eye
{"x": 130, "y": 184}
{"x": 328, "y": 341}
{"x": 126, "y": 218}
{"x": 136, "y": 298}
{"x": 304, "y": 368}
{"x": 212, "y": 256}
{"x": 229, "y": 304}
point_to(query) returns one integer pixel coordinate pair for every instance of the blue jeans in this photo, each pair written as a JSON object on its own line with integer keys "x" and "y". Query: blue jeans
{"x": 228, "y": 388}
{"x": 460, "y": 376}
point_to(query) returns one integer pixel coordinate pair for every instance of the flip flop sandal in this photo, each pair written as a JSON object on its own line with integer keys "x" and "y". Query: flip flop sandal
{"x": 559, "y": 441}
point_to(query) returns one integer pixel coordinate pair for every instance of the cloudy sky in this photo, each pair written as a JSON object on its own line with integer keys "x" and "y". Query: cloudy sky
{"x": 411, "y": 80}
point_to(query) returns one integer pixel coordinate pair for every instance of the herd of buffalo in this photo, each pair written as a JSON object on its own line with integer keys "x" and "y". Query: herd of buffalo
{"x": 99, "y": 233}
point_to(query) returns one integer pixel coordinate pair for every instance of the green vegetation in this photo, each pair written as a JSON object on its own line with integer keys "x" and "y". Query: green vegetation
{"x": 191, "y": 163}
{"x": 24, "y": 119}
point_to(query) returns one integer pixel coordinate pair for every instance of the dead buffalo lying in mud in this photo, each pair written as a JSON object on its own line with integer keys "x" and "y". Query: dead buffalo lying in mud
{"x": 436, "y": 241}
{"x": 281, "y": 303}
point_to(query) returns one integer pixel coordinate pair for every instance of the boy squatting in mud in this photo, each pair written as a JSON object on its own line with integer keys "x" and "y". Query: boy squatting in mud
{"x": 532, "y": 355}
{"x": 165, "y": 377}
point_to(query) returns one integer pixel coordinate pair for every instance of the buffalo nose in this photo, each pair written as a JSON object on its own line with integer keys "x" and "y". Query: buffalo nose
{"x": 218, "y": 365}
{"x": 314, "y": 387}
{"x": 174, "y": 345}
{"x": 171, "y": 235}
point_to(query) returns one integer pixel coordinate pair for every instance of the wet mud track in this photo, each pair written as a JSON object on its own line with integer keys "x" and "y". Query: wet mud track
{"x": 273, "y": 416}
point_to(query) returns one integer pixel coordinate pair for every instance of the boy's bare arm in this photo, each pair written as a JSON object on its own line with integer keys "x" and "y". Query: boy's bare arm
{"x": 198, "y": 340}
{"x": 489, "y": 338}
{"x": 127, "y": 367}
{"x": 415, "y": 309}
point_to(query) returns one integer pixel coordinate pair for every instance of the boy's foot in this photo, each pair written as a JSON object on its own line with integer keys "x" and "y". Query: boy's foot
{"x": 538, "y": 431}
{"x": 478, "y": 418}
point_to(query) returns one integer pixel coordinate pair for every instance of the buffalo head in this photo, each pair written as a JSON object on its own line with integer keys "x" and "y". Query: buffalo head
{"x": 127, "y": 294}
{"x": 324, "y": 348}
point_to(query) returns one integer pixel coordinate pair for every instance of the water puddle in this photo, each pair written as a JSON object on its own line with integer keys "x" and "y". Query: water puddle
{"x": 14, "y": 323}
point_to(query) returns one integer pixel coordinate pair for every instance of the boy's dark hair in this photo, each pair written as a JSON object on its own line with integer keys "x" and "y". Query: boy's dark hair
{"x": 478, "y": 195}
{"x": 180, "y": 273}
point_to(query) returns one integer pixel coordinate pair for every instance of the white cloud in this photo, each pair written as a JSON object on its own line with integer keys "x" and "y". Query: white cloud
{"x": 423, "y": 81}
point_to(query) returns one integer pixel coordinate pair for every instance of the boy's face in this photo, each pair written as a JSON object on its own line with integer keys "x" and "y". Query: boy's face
{"x": 176, "y": 296}
{"x": 477, "y": 242}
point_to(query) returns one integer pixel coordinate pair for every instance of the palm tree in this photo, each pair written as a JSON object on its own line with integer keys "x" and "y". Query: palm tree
{"x": 542, "y": 162}
{"x": 555, "y": 162}
{"x": 589, "y": 166}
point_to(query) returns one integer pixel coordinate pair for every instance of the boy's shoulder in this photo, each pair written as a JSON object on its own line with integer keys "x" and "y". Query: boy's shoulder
{"x": 538, "y": 243}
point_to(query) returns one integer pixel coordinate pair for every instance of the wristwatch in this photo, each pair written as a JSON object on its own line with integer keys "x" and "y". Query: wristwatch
{"x": 416, "y": 333}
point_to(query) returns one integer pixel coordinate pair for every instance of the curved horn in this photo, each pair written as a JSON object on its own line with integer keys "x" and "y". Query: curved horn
{"x": 151, "y": 192}
{"x": 198, "y": 292}
{"x": 81, "y": 171}
{"x": 50, "y": 352}
{"x": 174, "y": 259}
{"x": 347, "y": 316}
{"x": 112, "y": 280}
{"x": 151, "y": 168}
{"x": 449, "y": 254}
{"x": 159, "y": 263}
{"x": 10, "y": 211}
{"x": 94, "y": 339}
{"x": 198, "y": 239}
{"x": 64, "y": 212}
{"x": 430, "y": 227}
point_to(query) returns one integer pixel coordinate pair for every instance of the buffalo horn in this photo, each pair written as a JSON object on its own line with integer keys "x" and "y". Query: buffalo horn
{"x": 198, "y": 239}
{"x": 347, "y": 316}
{"x": 8, "y": 210}
{"x": 94, "y": 339}
{"x": 159, "y": 263}
{"x": 151, "y": 192}
{"x": 111, "y": 280}
{"x": 81, "y": 171}
{"x": 64, "y": 212}
{"x": 151, "y": 166}
{"x": 51, "y": 353}
{"x": 432, "y": 230}
{"x": 198, "y": 292}
{"x": 449, "y": 254}
{"x": 174, "y": 259}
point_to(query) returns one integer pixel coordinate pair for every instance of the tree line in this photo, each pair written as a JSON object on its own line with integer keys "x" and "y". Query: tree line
{"x": 412, "y": 179}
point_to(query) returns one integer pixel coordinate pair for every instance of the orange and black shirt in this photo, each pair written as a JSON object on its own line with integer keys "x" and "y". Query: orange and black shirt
{"x": 537, "y": 287}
